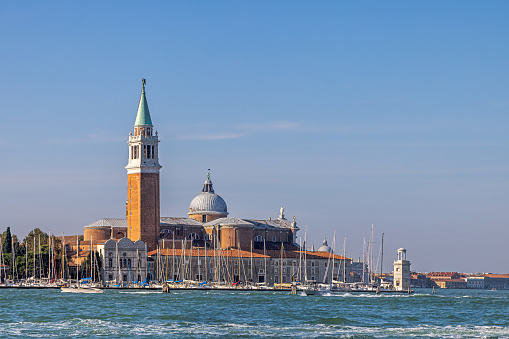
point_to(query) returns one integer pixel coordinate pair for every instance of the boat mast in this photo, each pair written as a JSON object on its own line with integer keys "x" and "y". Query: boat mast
{"x": 48, "y": 244}
{"x": 344, "y": 260}
{"x": 26, "y": 261}
{"x": 146, "y": 264}
{"x": 199, "y": 265}
{"x": 173, "y": 258}
{"x": 382, "y": 259}
{"x": 191, "y": 260}
{"x": 77, "y": 254}
{"x": 333, "y": 254}
{"x": 40, "y": 272}
{"x": 282, "y": 249}
{"x": 182, "y": 260}
{"x": 63, "y": 257}
{"x": 166, "y": 259}
{"x": 372, "y": 254}
{"x": 305, "y": 254}
{"x": 118, "y": 263}
{"x": 264, "y": 262}
{"x": 206, "y": 262}
{"x": 252, "y": 277}
{"x": 363, "y": 258}
{"x": 2, "y": 269}
{"x": 92, "y": 258}
{"x": 34, "y": 256}
{"x": 300, "y": 259}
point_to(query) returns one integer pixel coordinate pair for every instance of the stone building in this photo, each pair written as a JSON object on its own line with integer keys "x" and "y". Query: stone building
{"x": 124, "y": 261}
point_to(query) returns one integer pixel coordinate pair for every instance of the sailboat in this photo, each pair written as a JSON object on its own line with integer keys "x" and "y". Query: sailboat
{"x": 80, "y": 286}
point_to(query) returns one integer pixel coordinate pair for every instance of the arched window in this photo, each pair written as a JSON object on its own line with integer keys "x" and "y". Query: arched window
{"x": 208, "y": 236}
{"x": 258, "y": 238}
{"x": 128, "y": 262}
{"x": 110, "y": 262}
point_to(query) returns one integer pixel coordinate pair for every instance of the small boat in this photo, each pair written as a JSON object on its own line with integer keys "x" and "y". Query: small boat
{"x": 81, "y": 289}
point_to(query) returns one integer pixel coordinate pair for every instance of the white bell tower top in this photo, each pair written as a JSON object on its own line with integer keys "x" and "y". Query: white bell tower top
{"x": 143, "y": 145}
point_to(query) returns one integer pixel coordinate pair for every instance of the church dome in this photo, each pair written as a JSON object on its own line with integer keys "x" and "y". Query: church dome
{"x": 208, "y": 203}
{"x": 325, "y": 247}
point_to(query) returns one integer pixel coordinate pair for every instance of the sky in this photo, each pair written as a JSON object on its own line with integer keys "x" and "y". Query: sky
{"x": 347, "y": 113}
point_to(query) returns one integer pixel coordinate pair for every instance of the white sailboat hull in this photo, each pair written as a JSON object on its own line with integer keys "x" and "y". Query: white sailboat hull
{"x": 81, "y": 290}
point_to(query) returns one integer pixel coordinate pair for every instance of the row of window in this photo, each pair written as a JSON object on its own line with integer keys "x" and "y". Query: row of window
{"x": 148, "y": 152}
{"x": 123, "y": 263}
{"x": 208, "y": 236}
{"x": 260, "y": 238}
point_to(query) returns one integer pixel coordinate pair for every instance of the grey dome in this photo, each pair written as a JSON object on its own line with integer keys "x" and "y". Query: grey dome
{"x": 208, "y": 203}
{"x": 325, "y": 247}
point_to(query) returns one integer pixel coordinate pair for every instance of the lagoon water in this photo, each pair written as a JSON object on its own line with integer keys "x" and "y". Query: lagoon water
{"x": 224, "y": 314}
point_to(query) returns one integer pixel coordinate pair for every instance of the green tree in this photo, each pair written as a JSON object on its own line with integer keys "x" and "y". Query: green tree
{"x": 34, "y": 236}
{"x": 7, "y": 241}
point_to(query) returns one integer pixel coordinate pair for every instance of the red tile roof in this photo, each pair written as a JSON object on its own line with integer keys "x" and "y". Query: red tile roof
{"x": 235, "y": 253}
{"x": 497, "y": 275}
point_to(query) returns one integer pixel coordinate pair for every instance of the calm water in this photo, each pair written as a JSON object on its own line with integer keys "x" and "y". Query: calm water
{"x": 219, "y": 314}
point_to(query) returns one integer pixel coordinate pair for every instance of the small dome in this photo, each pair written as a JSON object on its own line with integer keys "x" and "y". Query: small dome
{"x": 325, "y": 247}
{"x": 208, "y": 202}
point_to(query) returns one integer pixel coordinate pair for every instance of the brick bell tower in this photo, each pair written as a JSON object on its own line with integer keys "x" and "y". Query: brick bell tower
{"x": 142, "y": 207}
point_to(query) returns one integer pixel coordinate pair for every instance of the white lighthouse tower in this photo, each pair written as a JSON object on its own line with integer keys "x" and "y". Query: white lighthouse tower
{"x": 402, "y": 271}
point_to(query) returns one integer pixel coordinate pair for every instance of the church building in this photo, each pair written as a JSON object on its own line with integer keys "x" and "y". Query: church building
{"x": 132, "y": 248}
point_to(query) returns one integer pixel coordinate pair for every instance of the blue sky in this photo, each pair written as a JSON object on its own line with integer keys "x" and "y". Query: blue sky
{"x": 347, "y": 113}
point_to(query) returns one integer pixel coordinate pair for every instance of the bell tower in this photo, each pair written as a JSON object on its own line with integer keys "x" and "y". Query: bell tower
{"x": 142, "y": 208}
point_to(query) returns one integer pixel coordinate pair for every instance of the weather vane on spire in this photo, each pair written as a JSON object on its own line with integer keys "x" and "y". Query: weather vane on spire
{"x": 143, "y": 82}
{"x": 208, "y": 174}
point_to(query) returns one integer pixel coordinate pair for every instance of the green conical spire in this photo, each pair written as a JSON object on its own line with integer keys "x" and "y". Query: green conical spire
{"x": 143, "y": 116}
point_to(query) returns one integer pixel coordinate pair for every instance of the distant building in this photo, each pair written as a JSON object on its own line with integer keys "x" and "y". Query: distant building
{"x": 497, "y": 281}
{"x": 477, "y": 282}
{"x": 489, "y": 281}
{"x": 421, "y": 280}
{"x": 443, "y": 275}
{"x": 451, "y": 283}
